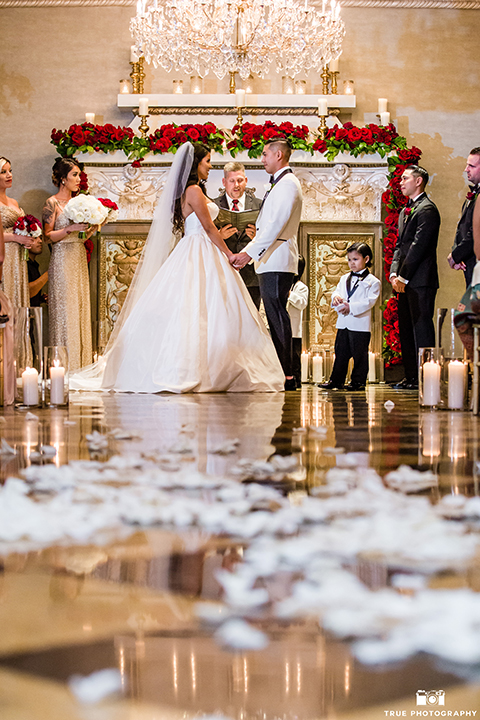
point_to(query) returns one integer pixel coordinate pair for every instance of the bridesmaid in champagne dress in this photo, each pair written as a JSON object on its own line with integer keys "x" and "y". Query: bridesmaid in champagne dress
{"x": 15, "y": 275}
{"x": 6, "y": 317}
{"x": 69, "y": 290}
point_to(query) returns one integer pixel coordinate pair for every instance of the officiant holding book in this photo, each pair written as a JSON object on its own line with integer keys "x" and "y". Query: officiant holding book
{"x": 237, "y": 200}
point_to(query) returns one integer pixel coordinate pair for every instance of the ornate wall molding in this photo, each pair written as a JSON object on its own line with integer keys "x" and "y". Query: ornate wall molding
{"x": 407, "y": 4}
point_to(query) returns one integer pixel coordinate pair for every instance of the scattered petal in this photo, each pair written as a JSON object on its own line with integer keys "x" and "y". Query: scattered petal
{"x": 93, "y": 688}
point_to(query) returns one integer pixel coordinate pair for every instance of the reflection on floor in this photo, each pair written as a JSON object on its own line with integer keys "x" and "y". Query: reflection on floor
{"x": 130, "y": 605}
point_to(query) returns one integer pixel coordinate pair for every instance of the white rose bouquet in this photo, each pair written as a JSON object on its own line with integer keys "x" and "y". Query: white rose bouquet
{"x": 86, "y": 209}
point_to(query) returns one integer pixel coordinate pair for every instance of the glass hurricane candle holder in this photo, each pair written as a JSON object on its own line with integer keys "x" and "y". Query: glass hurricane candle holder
{"x": 177, "y": 87}
{"x": 348, "y": 87}
{"x": 318, "y": 366}
{"x": 56, "y": 376}
{"x": 28, "y": 354}
{"x": 124, "y": 87}
{"x": 454, "y": 389}
{"x": 430, "y": 363}
{"x": 300, "y": 87}
{"x": 195, "y": 85}
{"x": 288, "y": 85}
{"x": 305, "y": 366}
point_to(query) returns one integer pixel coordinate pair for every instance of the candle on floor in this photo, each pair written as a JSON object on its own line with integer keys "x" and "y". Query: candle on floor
{"x": 317, "y": 368}
{"x": 431, "y": 383}
{"x": 57, "y": 382}
{"x": 305, "y": 359}
{"x": 372, "y": 374}
{"x": 456, "y": 384}
{"x": 30, "y": 386}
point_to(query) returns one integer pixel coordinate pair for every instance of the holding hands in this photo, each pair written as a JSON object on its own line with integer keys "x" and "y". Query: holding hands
{"x": 240, "y": 260}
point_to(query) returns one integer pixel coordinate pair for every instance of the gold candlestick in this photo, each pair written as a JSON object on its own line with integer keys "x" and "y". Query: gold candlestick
{"x": 322, "y": 128}
{"x": 239, "y": 117}
{"x": 232, "y": 82}
{"x": 333, "y": 76}
{"x": 138, "y": 76}
{"x": 325, "y": 77}
{"x": 143, "y": 126}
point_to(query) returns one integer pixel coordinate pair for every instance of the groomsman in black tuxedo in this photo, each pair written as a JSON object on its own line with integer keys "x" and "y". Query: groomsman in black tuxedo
{"x": 414, "y": 273}
{"x": 274, "y": 248}
{"x": 462, "y": 256}
{"x": 237, "y": 200}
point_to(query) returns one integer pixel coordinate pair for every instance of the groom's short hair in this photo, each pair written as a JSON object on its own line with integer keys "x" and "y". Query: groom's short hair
{"x": 233, "y": 167}
{"x": 282, "y": 145}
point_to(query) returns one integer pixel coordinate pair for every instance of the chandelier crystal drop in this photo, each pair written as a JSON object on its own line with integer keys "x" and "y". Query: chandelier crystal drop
{"x": 244, "y": 36}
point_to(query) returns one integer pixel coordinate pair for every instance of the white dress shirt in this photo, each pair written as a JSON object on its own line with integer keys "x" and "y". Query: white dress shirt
{"x": 361, "y": 302}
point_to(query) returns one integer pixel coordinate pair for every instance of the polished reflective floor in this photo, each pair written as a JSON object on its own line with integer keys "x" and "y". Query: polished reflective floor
{"x": 130, "y": 603}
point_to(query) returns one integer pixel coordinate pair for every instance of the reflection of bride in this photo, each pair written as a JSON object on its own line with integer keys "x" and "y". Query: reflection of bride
{"x": 188, "y": 323}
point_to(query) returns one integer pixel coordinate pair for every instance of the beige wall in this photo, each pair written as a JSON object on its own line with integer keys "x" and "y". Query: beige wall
{"x": 59, "y": 63}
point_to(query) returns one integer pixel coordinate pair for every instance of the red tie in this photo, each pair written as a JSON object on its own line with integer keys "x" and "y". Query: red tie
{"x": 235, "y": 205}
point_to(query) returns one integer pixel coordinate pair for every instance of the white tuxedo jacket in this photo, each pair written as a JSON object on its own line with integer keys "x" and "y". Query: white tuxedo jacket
{"x": 361, "y": 303}
{"x": 274, "y": 247}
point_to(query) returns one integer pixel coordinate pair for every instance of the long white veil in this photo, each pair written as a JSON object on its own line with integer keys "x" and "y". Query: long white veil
{"x": 158, "y": 246}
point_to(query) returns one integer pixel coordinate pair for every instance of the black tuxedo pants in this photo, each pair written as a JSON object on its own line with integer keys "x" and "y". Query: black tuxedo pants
{"x": 274, "y": 289}
{"x": 351, "y": 344}
{"x": 415, "y": 322}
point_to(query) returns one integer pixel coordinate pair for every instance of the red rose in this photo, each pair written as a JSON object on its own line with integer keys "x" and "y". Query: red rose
{"x": 341, "y": 133}
{"x": 391, "y": 219}
{"x": 367, "y": 135}
{"x": 89, "y": 248}
{"x": 193, "y": 134}
{"x": 354, "y": 134}
{"x": 320, "y": 145}
{"x": 78, "y": 138}
{"x": 210, "y": 128}
{"x": 136, "y": 163}
{"x": 271, "y": 133}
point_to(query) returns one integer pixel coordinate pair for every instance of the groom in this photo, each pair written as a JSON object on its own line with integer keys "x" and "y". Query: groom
{"x": 274, "y": 248}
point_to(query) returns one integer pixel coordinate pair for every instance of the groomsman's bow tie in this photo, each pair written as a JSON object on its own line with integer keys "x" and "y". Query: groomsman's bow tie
{"x": 235, "y": 205}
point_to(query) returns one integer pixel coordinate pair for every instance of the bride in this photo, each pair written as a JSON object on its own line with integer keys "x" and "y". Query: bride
{"x": 188, "y": 323}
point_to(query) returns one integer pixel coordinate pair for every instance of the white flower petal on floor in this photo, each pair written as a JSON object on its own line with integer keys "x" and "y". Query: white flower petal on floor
{"x": 31, "y": 416}
{"x": 6, "y": 449}
{"x": 99, "y": 685}
{"x": 389, "y": 405}
{"x": 227, "y": 448}
{"x": 239, "y": 635}
{"x": 409, "y": 480}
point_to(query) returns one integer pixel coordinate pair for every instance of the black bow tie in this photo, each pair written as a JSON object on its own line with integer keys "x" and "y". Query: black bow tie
{"x": 360, "y": 274}
{"x": 409, "y": 203}
{"x": 272, "y": 179}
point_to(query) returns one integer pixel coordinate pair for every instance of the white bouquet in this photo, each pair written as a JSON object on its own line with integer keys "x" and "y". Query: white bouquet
{"x": 86, "y": 209}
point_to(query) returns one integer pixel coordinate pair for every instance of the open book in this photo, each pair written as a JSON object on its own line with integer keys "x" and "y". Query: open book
{"x": 239, "y": 220}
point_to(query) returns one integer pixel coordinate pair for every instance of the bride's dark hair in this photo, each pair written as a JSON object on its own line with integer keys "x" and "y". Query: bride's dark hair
{"x": 200, "y": 150}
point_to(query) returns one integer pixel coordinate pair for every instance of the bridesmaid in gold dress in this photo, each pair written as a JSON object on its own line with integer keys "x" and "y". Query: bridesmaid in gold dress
{"x": 69, "y": 290}
{"x": 6, "y": 313}
{"x": 15, "y": 275}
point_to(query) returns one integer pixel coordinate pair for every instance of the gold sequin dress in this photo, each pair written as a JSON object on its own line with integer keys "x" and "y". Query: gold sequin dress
{"x": 15, "y": 273}
{"x": 69, "y": 297}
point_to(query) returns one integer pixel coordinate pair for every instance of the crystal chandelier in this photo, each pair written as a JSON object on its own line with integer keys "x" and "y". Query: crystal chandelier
{"x": 244, "y": 36}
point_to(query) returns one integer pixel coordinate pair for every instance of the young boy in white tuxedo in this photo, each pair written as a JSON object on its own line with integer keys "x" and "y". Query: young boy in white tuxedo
{"x": 353, "y": 299}
{"x": 297, "y": 302}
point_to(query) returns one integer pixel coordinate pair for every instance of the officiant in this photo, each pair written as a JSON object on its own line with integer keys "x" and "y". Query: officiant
{"x": 238, "y": 199}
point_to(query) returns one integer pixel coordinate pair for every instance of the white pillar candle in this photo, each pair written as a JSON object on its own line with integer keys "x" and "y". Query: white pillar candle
{"x": 240, "y": 97}
{"x": 30, "y": 386}
{"x": 456, "y": 384}
{"x": 372, "y": 374}
{"x": 384, "y": 118}
{"x": 382, "y": 105}
{"x": 333, "y": 65}
{"x": 133, "y": 55}
{"x": 431, "y": 383}
{"x": 57, "y": 381}
{"x": 317, "y": 368}
{"x": 305, "y": 359}
{"x": 90, "y": 118}
{"x": 143, "y": 106}
{"x": 322, "y": 107}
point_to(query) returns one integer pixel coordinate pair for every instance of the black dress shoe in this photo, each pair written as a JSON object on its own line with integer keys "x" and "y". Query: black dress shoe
{"x": 290, "y": 384}
{"x": 411, "y": 385}
{"x": 330, "y": 386}
{"x": 354, "y": 386}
